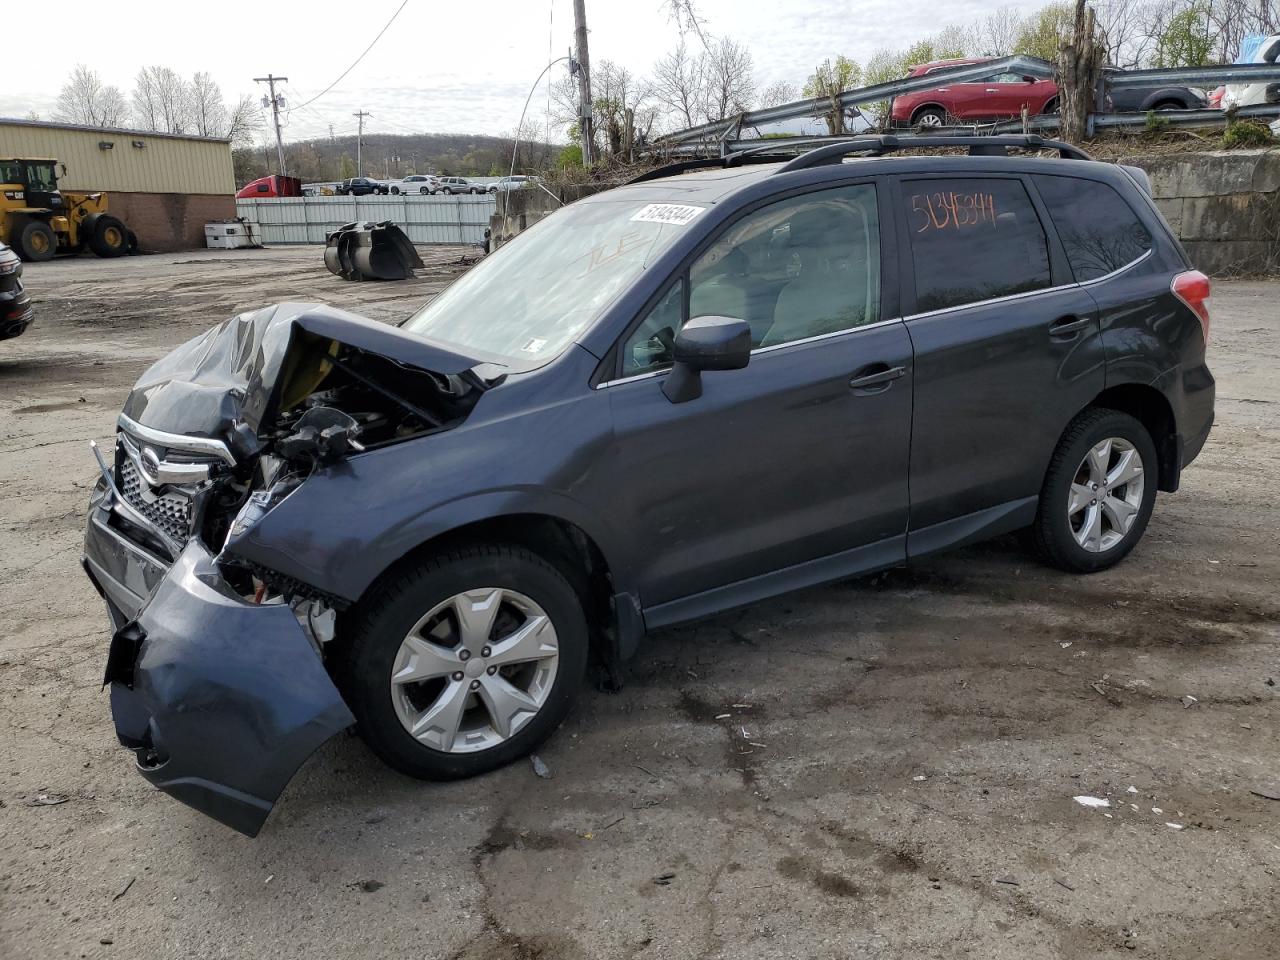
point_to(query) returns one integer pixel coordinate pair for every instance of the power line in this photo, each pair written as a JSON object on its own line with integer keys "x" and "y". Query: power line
{"x": 359, "y": 58}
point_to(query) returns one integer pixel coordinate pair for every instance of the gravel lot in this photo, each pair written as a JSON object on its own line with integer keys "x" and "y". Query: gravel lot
{"x": 881, "y": 768}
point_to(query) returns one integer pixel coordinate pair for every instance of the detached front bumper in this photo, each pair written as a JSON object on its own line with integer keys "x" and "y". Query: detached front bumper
{"x": 221, "y": 699}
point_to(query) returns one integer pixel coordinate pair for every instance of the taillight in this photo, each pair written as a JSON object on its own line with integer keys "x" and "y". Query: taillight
{"x": 1192, "y": 288}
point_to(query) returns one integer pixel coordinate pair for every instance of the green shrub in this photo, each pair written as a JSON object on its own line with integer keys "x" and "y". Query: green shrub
{"x": 1247, "y": 133}
{"x": 1156, "y": 123}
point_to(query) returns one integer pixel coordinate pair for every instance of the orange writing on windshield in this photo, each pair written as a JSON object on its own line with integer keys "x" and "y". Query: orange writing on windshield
{"x": 952, "y": 210}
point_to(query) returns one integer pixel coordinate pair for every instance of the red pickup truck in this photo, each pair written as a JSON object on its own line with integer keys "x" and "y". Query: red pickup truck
{"x": 1000, "y": 96}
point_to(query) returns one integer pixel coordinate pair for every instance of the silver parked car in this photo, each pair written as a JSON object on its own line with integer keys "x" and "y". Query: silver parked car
{"x": 512, "y": 183}
{"x": 457, "y": 185}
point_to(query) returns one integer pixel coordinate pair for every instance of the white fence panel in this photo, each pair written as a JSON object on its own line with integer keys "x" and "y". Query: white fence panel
{"x": 438, "y": 219}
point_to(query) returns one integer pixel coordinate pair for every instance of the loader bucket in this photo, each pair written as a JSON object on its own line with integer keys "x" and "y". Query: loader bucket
{"x": 370, "y": 251}
{"x": 337, "y": 250}
{"x": 385, "y": 253}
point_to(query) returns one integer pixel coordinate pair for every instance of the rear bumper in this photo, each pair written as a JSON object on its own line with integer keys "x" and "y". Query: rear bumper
{"x": 222, "y": 700}
{"x": 16, "y": 314}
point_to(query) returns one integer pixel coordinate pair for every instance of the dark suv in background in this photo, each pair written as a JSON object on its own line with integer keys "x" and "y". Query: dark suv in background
{"x": 361, "y": 187}
{"x": 724, "y": 381}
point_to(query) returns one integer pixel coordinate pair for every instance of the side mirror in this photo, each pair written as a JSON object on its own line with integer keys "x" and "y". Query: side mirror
{"x": 706, "y": 343}
{"x": 1029, "y": 79}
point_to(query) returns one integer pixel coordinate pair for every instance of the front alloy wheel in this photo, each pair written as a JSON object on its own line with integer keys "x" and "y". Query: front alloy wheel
{"x": 464, "y": 661}
{"x": 474, "y": 670}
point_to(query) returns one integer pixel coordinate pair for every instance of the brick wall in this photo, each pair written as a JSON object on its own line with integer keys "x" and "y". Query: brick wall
{"x": 165, "y": 222}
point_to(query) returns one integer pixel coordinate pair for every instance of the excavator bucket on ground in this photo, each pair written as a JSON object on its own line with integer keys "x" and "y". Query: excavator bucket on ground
{"x": 370, "y": 251}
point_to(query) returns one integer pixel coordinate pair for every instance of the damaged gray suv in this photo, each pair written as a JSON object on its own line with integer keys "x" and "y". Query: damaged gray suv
{"x": 724, "y": 381}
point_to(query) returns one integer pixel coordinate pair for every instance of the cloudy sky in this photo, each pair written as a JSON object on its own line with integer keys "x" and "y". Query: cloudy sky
{"x": 455, "y": 67}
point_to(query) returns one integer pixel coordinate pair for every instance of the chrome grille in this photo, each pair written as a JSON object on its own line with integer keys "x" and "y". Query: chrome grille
{"x": 170, "y": 511}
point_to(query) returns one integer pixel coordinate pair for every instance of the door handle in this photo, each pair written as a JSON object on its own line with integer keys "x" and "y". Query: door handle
{"x": 992, "y": 90}
{"x": 1067, "y": 327}
{"x": 876, "y": 375}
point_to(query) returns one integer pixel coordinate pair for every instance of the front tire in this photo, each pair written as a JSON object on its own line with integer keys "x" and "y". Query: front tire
{"x": 466, "y": 661}
{"x": 36, "y": 241}
{"x": 1098, "y": 492}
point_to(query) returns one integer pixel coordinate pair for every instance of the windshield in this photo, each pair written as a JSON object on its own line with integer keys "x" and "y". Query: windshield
{"x": 532, "y": 297}
{"x": 40, "y": 176}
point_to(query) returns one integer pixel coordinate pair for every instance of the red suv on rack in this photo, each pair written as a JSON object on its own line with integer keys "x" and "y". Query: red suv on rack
{"x": 1000, "y": 96}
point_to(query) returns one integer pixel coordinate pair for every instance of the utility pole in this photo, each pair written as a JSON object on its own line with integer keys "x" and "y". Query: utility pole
{"x": 360, "y": 137}
{"x": 585, "y": 122}
{"x": 275, "y": 102}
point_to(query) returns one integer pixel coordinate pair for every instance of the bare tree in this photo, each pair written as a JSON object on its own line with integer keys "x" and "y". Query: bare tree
{"x": 208, "y": 112}
{"x": 85, "y": 99}
{"x": 243, "y": 122}
{"x": 679, "y": 84}
{"x": 684, "y": 14}
{"x": 778, "y": 93}
{"x": 999, "y": 31}
{"x": 730, "y": 80}
{"x": 162, "y": 101}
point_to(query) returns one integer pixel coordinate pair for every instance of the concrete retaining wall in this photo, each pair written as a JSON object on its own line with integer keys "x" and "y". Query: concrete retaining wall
{"x": 1224, "y": 206}
{"x": 520, "y": 209}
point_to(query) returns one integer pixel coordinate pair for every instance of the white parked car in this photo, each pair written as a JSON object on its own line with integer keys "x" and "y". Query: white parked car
{"x": 512, "y": 183}
{"x": 415, "y": 183}
{"x": 1266, "y": 91}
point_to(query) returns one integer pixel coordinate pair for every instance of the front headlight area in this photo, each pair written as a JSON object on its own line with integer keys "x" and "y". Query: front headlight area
{"x": 316, "y": 612}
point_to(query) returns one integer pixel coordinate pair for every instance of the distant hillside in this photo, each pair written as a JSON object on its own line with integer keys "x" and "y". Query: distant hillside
{"x": 385, "y": 155}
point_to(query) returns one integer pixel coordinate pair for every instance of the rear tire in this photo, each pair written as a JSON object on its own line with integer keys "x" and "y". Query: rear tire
{"x": 412, "y": 623}
{"x": 423, "y": 190}
{"x": 110, "y": 237}
{"x": 36, "y": 241}
{"x": 1098, "y": 492}
{"x": 930, "y": 118}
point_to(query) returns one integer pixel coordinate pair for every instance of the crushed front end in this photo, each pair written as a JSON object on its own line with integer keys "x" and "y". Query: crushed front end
{"x": 216, "y": 668}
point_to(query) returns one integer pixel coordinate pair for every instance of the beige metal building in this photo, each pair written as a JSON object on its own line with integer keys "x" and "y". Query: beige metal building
{"x": 164, "y": 187}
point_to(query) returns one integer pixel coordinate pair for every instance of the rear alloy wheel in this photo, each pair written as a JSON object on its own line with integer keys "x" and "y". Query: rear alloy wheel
{"x": 447, "y": 192}
{"x": 423, "y": 190}
{"x": 110, "y": 238}
{"x": 36, "y": 241}
{"x": 930, "y": 118}
{"x": 1098, "y": 493}
{"x": 466, "y": 662}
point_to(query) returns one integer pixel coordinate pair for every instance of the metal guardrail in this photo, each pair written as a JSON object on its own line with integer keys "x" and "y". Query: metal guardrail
{"x": 1236, "y": 73}
{"x": 816, "y": 106}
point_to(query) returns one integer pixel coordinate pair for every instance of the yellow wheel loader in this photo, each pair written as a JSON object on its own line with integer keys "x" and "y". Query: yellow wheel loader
{"x": 38, "y": 220}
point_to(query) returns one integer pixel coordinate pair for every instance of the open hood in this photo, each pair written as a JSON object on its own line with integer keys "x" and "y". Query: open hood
{"x": 244, "y": 369}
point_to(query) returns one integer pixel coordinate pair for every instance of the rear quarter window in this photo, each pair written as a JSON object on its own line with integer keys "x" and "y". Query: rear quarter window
{"x": 973, "y": 240}
{"x": 1098, "y": 229}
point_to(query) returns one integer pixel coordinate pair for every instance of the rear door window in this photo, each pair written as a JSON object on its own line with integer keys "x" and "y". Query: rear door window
{"x": 1098, "y": 229}
{"x": 973, "y": 240}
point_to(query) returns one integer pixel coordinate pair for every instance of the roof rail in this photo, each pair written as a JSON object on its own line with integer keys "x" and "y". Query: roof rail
{"x": 887, "y": 143}
{"x": 877, "y": 145}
